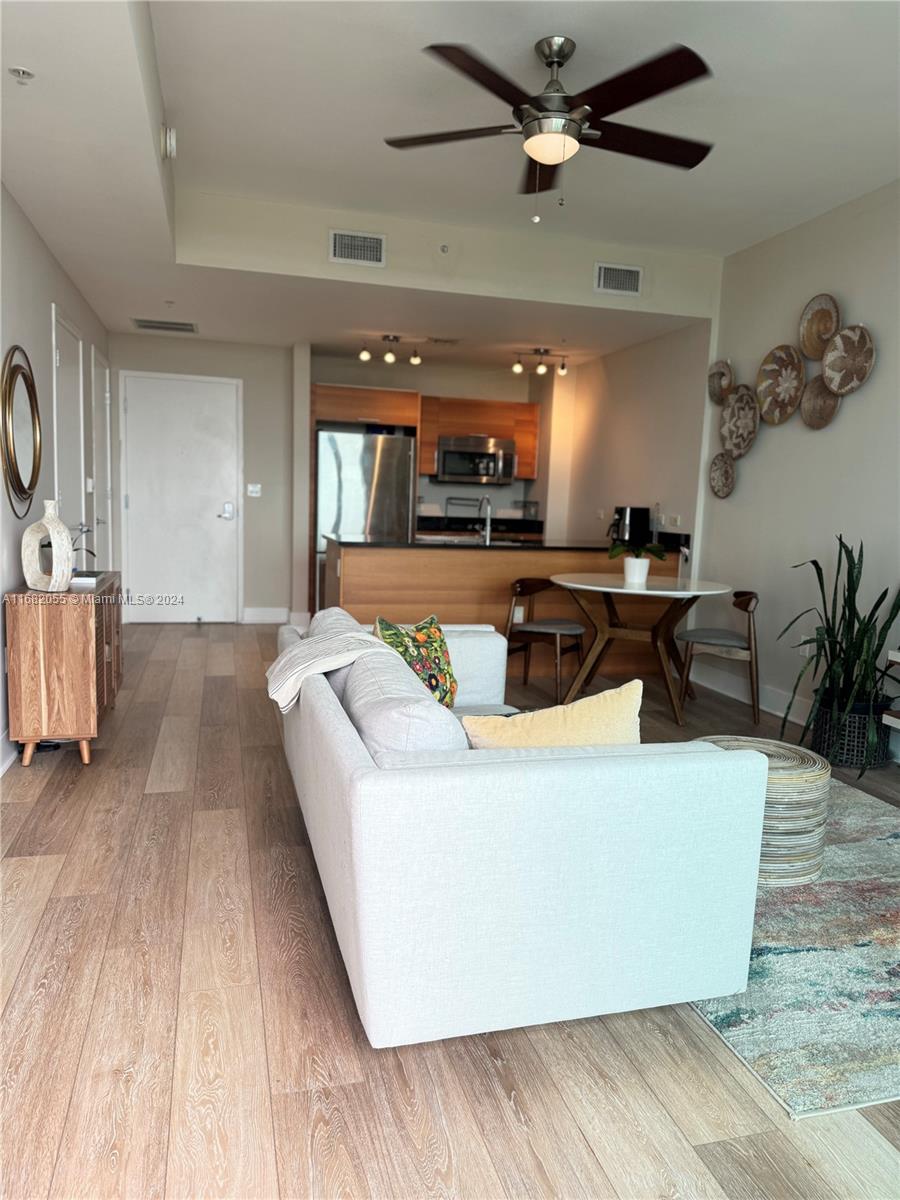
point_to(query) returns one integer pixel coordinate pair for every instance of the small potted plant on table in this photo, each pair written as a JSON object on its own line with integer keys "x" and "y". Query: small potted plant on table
{"x": 637, "y": 565}
{"x": 849, "y": 697}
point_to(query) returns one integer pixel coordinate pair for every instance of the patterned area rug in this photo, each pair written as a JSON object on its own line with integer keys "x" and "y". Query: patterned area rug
{"x": 819, "y": 1023}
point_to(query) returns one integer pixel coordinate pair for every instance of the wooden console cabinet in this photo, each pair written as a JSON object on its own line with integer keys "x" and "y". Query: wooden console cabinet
{"x": 63, "y": 662}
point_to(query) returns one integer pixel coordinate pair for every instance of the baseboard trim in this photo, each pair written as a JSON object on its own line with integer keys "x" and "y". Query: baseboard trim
{"x": 265, "y": 616}
{"x": 9, "y": 753}
{"x": 737, "y": 686}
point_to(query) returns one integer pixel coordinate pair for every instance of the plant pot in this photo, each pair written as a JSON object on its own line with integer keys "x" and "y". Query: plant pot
{"x": 843, "y": 743}
{"x": 636, "y": 571}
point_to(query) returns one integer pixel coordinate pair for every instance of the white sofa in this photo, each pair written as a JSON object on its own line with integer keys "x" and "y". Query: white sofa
{"x": 473, "y": 890}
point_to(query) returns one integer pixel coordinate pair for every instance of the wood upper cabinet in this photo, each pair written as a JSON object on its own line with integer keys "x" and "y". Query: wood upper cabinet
{"x": 443, "y": 416}
{"x": 376, "y": 406}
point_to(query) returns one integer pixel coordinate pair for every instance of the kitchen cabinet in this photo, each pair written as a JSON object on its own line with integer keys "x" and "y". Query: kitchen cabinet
{"x": 374, "y": 406}
{"x": 445, "y": 416}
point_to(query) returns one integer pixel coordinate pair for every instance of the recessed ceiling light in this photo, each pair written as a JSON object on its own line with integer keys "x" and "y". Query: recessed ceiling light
{"x": 21, "y": 75}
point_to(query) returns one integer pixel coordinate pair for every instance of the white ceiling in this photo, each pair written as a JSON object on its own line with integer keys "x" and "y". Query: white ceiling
{"x": 291, "y": 101}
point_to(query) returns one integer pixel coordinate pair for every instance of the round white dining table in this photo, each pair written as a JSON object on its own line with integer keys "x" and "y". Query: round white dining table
{"x": 596, "y": 596}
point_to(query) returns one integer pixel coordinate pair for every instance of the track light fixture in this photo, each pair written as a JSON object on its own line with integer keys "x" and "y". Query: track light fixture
{"x": 390, "y": 340}
{"x": 541, "y": 353}
{"x": 365, "y": 354}
{"x": 415, "y": 359}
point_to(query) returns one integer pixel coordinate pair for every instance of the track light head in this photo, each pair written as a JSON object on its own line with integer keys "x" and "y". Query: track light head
{"x": 365, "y": 354}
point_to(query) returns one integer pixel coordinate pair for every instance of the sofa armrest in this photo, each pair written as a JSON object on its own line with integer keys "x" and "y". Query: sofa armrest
{"x": 478, "y": 656}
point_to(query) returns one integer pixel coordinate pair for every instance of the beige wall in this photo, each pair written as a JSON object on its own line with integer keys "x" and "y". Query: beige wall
{"x": 32, "y": 280}
{"x": 636, "y": 428}
{"x": 800, "y": 487}
{"x": 266, "y": 373}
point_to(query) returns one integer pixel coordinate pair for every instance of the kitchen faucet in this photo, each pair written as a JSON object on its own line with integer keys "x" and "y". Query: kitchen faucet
{"x": 487, "y": 519}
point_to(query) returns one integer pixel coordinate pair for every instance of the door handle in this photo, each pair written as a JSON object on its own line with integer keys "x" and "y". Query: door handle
{"x": 227, "y": 513}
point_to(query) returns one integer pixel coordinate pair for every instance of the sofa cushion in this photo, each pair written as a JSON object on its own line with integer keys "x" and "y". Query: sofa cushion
{"x": 611, "y": 718}
{"x": 334, "y": 620}
{"x": 423, "y": 648}
{"x": 392, "y": 712}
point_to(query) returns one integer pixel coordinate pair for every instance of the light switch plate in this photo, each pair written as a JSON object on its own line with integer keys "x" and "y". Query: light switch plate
{"x": 254, "y": 489}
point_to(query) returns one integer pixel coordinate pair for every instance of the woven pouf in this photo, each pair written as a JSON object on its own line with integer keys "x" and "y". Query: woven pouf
{"x": 793, "y": 840}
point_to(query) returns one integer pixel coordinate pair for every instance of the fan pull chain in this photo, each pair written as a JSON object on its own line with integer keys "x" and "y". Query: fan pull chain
{"x": 536, "y": 218}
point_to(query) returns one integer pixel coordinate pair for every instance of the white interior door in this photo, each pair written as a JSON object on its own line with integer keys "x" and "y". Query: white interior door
{"x": 181, "y": 436}
{"x": 100, "y": 406}
{"x": 68, "y": 426}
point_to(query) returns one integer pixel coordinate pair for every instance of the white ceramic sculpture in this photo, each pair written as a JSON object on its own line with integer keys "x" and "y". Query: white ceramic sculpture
{"x": 49, "y": 526}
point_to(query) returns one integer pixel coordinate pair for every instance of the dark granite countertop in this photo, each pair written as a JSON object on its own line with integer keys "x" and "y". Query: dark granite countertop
{"x": 498, "y": 542}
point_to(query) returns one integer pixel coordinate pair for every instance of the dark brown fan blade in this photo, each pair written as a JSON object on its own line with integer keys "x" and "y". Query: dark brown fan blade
{"x": 645, "y": 143}
{"x": 537, "y": 177}
{"x": 476, "y": 69}
{"x": 452, "y": 135}
{"x": 668, "y": 70}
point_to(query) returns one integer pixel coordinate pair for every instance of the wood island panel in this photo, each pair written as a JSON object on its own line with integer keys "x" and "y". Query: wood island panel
{"x": 472, "y": 586}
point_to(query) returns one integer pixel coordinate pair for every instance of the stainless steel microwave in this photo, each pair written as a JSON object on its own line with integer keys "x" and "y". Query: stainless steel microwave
{"x": 476, "y": 460}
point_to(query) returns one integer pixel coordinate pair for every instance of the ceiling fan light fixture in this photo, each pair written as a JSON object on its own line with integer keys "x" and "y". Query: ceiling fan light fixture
{"x": 551, "y": 140}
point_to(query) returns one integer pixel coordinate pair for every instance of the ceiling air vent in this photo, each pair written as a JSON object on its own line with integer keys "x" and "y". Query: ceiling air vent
{"x": 152, "y": 326}
{"x": 613, "y": 277}
{"x": 361, "y": 249}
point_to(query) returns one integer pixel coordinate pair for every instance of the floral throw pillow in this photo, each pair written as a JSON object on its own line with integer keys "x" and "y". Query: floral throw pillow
{"x": 424, "y": 649}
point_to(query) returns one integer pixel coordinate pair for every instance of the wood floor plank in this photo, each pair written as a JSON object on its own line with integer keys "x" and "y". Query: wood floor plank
{"x": 331, "y": 1145}
{"x": 764, "y": 1166}
{"x": 848, "y": 1153}
{"x": 273, "y": 812}
{"x": 114, "y": 720}
{"x": 186, "y": 695}
{"x": 535, "y": 1146}
{"x": 639, "y": 1146}
{"x": 168, "y": 643}
{"x": 174, "y": 763}
{"x": 441, "y": 1150}
{"x": 25, "y": 888}
{"x": 257, "y": 718}
{"x": 886, "y": 1119}
{"x": 219, "y": 937}
{"x": 249, "y": 671}
{"x": 116, "y": 1134}
{"x": 156, "y": 680}
{"x": 219, "y": 701}
{"x": 23, "y": 785}
{"x": 220, "y": 1140}
{"x": 312, "y": 1028}
{"x": 220, "y": 659}
{"x": 96, "y": 858}
{"x": 192, "y": 653}
{"x": 12, "y": 818}
{"x": 53, "y": 821}
{"x": 219, "y": 782}
{"x": 706, "y": 1104}
{"x": 138, "y": 734}
{"x": 44, "y": 1023}
{"x": 267, "y": 640}
{"x": 150, "y": 908}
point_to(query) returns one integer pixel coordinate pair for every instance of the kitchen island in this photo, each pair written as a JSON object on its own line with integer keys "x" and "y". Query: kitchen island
{"x": 469, "y": 583}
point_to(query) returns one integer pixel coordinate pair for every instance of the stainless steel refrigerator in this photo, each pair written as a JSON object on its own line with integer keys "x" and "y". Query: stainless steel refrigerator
{"x": 365, "y": 487}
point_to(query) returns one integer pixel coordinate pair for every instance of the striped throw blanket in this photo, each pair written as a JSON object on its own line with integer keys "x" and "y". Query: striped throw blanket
{"x": 315, "y": 656}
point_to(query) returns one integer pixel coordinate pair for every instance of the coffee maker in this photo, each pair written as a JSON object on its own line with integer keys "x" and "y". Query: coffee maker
{"x": 630, "y": 526}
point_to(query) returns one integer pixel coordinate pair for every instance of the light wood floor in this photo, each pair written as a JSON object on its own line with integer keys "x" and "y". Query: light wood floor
{"x": 178, "y": 1022}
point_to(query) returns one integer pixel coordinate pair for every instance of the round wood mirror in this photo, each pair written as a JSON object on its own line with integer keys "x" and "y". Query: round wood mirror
{"x": 20, "y": 430}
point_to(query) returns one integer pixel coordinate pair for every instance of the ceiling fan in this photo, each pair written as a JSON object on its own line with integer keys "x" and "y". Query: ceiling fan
{"x": 555, "y": 124}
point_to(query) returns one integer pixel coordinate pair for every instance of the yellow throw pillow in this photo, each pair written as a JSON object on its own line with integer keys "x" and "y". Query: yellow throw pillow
{"x": 608, "y": 719}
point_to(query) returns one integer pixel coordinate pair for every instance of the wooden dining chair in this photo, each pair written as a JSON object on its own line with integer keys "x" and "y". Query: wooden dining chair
{"x": 726, "y": 643}
{"x": 522, "y": 635}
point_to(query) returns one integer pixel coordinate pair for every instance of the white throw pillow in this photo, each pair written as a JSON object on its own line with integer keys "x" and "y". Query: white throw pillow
{"x": 393, "y": 711}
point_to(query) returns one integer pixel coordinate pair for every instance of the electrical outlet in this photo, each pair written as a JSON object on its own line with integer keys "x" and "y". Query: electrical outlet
{"x": 254, "y": 489}
{"x": 676, "y": 520}
{"x": 662, "y": 520}
{"x": 518, "y": 614}
{"x": 601, "y": 514}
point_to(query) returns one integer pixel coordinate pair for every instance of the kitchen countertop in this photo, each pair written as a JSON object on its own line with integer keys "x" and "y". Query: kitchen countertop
{"x": 472, "y": 544}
